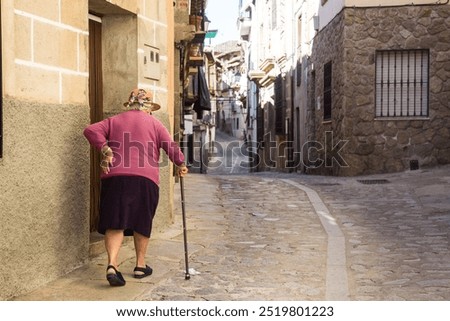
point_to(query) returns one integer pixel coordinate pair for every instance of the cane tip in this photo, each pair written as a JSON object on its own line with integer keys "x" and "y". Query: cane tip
{"x": 187, "y": 277}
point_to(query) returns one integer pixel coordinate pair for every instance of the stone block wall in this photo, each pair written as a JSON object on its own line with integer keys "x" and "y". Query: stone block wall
{"x": 376, "y": 144}
{"x": 44, "y": 190}
{"x": 327, "y": 47}
{"x": 45, "y": 166}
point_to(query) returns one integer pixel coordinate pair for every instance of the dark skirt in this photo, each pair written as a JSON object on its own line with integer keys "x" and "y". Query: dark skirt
{"x": 128, "y": 203}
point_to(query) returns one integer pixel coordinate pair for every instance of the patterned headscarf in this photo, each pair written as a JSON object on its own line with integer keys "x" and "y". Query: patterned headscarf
{"x": 143, "y": 100}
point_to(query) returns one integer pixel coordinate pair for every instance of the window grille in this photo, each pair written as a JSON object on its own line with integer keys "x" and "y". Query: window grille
{"x": 327, "y": 80}
{"x": 402, "y": 83}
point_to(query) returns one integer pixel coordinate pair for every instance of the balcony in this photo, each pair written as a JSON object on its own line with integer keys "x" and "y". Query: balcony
{"x": 255, "y": 75}
{"x": 267, "y": 65}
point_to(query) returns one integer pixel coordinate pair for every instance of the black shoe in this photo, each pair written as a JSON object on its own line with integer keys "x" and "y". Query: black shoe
{"x": 140, "y": 272}
{"x": 114, "y": 279}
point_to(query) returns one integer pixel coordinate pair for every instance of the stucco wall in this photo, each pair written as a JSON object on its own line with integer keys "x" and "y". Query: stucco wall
{"x": 386, "y": 145}
{"x": 44, "y": 194}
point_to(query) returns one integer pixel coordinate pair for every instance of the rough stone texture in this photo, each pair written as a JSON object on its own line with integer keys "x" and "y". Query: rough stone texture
{"x": 258, "y": 238}
{"x": 382, "y": 145}
{"x": 44, "y": 194}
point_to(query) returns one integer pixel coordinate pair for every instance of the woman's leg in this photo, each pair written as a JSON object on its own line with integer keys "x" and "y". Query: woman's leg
{"x": 113, "y": 242}
{"x": 140, "y": 245}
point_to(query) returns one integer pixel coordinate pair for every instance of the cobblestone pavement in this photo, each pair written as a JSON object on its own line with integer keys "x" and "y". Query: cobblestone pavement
{"x": 267, "y": 236}
{"x": 397, "y": 232}
{"x": 255, "y": 239}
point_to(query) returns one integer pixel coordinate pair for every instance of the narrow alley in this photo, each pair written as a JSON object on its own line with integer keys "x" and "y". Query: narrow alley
{"x": 278, "y": 236}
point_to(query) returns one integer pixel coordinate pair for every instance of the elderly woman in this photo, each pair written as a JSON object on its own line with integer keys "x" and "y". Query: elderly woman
{"x": 130, "y": 143}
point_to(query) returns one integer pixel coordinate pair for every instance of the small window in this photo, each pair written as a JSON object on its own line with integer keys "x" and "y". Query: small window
{"x": 299, "y": 34}
{"x": 279, "y": 106}
{"x": 327, "y": 99}
{"x": 274, "y": 14}
{"x": 402, "y": 83}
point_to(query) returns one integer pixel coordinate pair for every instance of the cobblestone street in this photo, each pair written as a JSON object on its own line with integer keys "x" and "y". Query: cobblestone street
{"x": 279, "y": 236}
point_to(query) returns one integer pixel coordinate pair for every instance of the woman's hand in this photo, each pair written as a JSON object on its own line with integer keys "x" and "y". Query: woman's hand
{"x": 107, "y": 159}
{"x": 182, "y": 170}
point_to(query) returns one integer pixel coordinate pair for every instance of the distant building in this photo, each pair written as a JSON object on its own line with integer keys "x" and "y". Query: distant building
{"x": 231, "y": 89}
{"x": 348, "y": 87}
{"x": 196, "y": 77}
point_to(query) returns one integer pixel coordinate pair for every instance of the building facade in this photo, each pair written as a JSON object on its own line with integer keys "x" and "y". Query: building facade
{"x": 66, "y": 64}
{"x": 196, "y": 76}
{"x": 358, "y": 87}
{"x": 231, "y": 89}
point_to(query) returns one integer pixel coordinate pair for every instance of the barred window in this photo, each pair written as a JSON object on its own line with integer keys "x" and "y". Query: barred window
{"x": 327, "y": 81}
{"x": 402, "y": 83}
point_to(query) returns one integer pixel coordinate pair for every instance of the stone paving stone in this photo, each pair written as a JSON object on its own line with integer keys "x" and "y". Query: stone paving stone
{"x": 255, "y": 237}
{"x": 398, "y": 233}
{"x": 270, "y": 246}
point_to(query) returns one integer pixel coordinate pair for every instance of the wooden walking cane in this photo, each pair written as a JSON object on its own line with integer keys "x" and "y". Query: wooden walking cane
{"x": 187, "y": 276}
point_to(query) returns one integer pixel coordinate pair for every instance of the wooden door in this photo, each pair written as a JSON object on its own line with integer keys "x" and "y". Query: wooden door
{"x": 96, "y": 107}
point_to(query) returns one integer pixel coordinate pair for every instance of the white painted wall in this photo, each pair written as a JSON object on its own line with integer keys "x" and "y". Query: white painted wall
{"x": 331, "y": 8}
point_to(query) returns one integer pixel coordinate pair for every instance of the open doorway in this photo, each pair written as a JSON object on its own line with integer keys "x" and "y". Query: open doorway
{"x": 113, "y": 70}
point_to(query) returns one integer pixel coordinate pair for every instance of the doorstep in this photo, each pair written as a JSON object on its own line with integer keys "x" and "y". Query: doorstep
{"x": 96, "y": 244}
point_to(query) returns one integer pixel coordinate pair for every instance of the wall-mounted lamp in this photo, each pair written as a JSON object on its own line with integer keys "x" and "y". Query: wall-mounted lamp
{"x": 206, "y": 22}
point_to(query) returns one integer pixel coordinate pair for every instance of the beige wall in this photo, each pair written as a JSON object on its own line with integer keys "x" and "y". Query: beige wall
{"x": 45, "y": 166}
{"x": 126, "y": 39}
{"x": 37, "y": 67}
{"x": 44, "y": 172}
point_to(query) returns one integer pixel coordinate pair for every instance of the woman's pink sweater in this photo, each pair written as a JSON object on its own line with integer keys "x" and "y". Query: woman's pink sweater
{"x": 135, "y": 138}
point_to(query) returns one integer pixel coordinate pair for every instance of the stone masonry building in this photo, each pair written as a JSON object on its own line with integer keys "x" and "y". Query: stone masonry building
{"x": 348, "y": 87}
{"x": 66, "y": 64}
{"x": 388, "y": 91}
